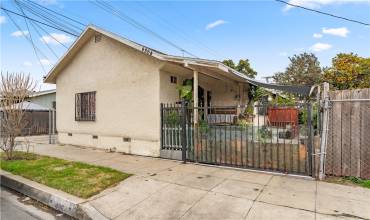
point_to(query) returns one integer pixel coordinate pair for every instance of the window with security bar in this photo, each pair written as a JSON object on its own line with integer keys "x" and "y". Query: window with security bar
{"x": 85, "y": 106}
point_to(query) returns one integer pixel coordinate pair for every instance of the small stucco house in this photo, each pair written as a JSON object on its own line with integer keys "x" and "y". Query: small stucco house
{"x": 109, "y": 91}
{"x": 44, "y": 98}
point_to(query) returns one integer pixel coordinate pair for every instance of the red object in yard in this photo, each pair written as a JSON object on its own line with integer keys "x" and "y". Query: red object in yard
{"x": 283, "y": 116}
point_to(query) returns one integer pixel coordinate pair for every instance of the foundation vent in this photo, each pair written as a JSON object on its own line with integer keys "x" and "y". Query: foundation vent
{"x": 126, "y": 139}
{"x": 69, "y": 134}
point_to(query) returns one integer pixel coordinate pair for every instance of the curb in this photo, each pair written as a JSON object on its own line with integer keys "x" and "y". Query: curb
{"x": 56, "y": 199}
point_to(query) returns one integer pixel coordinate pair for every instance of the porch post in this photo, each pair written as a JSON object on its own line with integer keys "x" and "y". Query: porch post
{"x": 50, "y": 124}
{"x": 241, "y": 87}
{"x": 195, "y": 96}
{"x": 205, "y": 105}
{"x": 241, "y": 97}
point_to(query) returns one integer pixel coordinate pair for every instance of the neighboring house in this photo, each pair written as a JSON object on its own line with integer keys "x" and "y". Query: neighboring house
{"x": 36, "y": 118}
{"x": 109, "y": 91}
{"x": 44, "y": 98}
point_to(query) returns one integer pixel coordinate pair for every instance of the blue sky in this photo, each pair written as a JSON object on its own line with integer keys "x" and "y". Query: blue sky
{"x": 265, "y": 32}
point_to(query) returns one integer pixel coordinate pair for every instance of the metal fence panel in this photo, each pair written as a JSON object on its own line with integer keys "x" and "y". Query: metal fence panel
{"x": 274, "y": 138}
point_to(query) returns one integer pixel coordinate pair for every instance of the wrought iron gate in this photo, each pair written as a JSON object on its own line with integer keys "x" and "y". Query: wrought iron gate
{"x": 274, "y": 138}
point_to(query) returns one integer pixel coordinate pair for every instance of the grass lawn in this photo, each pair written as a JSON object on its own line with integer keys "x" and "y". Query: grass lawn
{"x": 351, "y": 180}
{"x": 79, "y": 179}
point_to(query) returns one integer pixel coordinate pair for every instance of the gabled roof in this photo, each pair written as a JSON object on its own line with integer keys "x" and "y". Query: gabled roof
{"x": 205, "y": 63}
{"x": 45, "y": 92}
{"x": 91, "y": 30}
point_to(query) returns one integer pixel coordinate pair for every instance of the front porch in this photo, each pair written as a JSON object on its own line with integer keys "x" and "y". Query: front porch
{"x": 211, "y": 87}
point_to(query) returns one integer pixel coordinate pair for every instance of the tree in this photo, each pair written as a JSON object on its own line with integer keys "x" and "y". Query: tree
{"x": 348, "y": 71}
{"x": 243, "y": 67}
{"x": 304, "y": 69}
{"x": 14, "y": 89}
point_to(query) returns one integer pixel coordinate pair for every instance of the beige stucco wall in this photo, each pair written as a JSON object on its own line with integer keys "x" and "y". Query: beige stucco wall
{"x": 127, "y": 98}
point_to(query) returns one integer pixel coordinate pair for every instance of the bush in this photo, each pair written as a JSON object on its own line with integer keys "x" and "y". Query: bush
{"x": 243, "y": 123}
{"x": 172, "y": 118}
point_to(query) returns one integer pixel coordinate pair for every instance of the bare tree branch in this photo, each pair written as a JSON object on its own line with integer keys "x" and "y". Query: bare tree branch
{"x": 14, "y": 89}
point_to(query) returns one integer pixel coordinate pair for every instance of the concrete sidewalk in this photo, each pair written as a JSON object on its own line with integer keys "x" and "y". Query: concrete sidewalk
{"x": 166, "y": 189}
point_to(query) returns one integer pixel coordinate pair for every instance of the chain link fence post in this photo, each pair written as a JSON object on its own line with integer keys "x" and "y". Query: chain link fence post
{"x": 183, "y": 129}
{"x": 324, "y": 129}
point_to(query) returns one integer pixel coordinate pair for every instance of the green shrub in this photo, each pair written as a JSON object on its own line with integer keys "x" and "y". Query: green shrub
{"x": 172, "y": 118}
{"x": 264, "y": 133}
{"x": 203, "y": 126}
{"x": 243, "y": 123}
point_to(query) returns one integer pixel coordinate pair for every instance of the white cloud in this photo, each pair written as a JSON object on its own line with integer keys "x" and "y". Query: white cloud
{"x": 316, "y": 35}
{"x": 2, "y": 19}
{"x": 318, "y": 3}
{"x": 318, "y": 47}
{"x": 215, "y": 24}
{"x": 340, "y": 32}
{"x": 283, "y": 54}
{"x": 45, "y": 62}
{"x": 19, "y": 33}
{"x": 53, "y": 38}
{"x": 27, "y": 63}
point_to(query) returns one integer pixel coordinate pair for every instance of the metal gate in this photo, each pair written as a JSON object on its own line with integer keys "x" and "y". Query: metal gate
{"x": 266, "y": 137}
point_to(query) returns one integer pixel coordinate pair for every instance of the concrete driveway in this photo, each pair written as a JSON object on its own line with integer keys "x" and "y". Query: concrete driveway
{"x": 166, "y": 189}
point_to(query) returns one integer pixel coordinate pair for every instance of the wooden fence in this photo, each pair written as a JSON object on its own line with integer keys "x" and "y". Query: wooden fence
{"x": 348, "y": 149}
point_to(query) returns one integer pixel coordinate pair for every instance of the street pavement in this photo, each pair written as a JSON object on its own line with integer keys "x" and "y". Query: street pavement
{"x": 14, "y": 206}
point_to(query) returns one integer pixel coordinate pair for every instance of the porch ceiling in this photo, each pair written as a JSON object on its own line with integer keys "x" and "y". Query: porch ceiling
{"x": 204, "y": 71}
{"x": 220, "y": 72}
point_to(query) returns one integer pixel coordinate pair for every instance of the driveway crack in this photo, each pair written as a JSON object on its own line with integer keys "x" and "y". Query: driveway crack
{"x": 259, "y": 194}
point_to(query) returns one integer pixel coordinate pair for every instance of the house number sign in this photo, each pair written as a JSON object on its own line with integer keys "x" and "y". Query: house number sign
{"x": 147, "y": 51}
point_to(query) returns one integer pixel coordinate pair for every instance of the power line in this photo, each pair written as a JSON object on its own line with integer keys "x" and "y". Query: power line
{"x": 35, "y": 48}
{"x": 37, "y": 31}
{"x": 181, "y": 33}
{"x": 43, "y": 40}
{"x": 324, "y": 13}
{"x": 40, "y": 6}
{"x": 56, "y": 28}
{"x": 33, "y": 43}
{"x": 110, "y": 9}
{"x": 51, "y": 18}
{"x": 39, "y": 26}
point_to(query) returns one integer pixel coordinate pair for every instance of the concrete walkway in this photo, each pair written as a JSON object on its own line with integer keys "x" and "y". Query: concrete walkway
{"x": 166, "y": 189}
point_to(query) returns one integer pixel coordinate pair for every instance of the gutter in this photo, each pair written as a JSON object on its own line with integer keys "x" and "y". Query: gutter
{"x": 56, "y": 199}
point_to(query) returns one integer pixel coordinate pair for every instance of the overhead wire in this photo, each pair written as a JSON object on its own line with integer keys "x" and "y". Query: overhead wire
{"x": 324, "y": 13}
{"x": 52, "y": 19}
{"x": 32, "y": 42}
{"x": 118, "y": 13}
{"x": 62, "y": 23}
{"x": 7, "y": 11}
{"x": 183, "y": 34}
{"x": 41, "y": 6}
{"x": 35, "y": 48}
{"x": 37, "y": 31}
{"x": 50, "y": 35}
